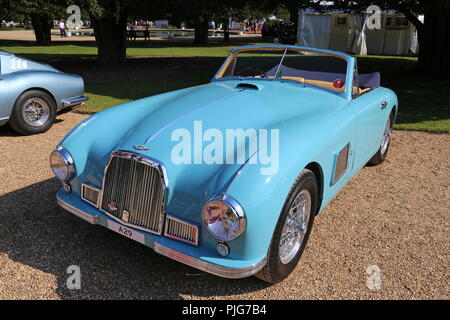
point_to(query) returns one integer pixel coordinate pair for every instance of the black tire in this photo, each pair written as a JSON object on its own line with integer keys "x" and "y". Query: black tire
{"x": 17, "y": 121}
{"x": 381, "y": 154}
{"x": 275, "y": 271}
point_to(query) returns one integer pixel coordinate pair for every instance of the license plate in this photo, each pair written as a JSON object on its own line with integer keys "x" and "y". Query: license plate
{"x": 126, "y": 232}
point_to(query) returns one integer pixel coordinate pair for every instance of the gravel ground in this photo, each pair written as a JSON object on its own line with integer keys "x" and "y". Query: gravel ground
{"x": 394, "y": 216}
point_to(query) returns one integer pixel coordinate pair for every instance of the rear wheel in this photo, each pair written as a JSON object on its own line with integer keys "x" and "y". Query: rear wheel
{"x": 382, "y": 152}
{"x": 292, "y": 230}
{"x": 34, "y": 112}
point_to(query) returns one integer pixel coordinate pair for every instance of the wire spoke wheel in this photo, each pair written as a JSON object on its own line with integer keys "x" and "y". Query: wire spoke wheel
{"x": 386, "y": 137}
{"x": 295, "y": 227}
{"x": 36, "y": 112}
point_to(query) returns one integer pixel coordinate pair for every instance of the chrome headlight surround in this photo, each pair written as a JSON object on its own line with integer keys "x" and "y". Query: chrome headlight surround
{"x": 224, "y": 218}
{"x": 62, "y": 164}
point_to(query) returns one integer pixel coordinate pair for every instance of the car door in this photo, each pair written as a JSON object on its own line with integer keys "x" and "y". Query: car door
{"x": 371, "y": 115}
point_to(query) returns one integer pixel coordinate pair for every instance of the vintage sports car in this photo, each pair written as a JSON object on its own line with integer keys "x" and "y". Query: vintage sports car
{"x": 33, "y": 93}
{"x": 146, "y": 169}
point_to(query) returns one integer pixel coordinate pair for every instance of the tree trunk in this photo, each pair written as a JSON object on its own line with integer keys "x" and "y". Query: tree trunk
{"x": 201, "y": 30}
{"x": 42, "y": 29}
{"x": 434, "y": 40}
{"x": 111, "y": 37}
{"x": 293, "y": 12}
{"x": 226, "y": 31}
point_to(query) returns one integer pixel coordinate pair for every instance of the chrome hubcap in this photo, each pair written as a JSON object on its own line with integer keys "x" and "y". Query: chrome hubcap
{"x": 295, "y": 227}
{"x": 36, "y": 112}
{"x": 386, "y": 137}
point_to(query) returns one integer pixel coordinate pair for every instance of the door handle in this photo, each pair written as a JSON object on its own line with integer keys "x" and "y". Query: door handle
{"x": 383, "y": 105}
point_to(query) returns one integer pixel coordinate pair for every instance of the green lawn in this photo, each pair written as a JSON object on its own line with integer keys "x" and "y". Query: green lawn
{"x": 424, "y": 104}
{"x": 140, "y": 48}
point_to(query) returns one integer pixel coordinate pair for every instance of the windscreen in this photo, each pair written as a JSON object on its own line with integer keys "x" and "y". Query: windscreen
{"x": 308, "y": 67}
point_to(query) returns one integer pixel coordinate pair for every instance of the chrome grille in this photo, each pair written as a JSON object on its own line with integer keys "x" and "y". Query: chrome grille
{"x": 134, "y": 190}
{"x": 181, "y": 230}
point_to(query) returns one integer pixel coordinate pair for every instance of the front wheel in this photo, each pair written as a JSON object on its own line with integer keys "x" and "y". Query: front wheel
{"x": 34, "y": 112}
{"x": 292, "y": 230}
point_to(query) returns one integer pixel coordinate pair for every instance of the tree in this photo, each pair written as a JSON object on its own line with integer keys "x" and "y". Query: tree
{"x": 433, "y": 35}
{"x": 200, "y": 12}
{"x": 109, "y": 20}
{"x": 294, "y": 6}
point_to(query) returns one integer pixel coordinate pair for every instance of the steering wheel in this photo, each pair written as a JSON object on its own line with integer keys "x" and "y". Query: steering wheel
{"x": 256, "y": 70}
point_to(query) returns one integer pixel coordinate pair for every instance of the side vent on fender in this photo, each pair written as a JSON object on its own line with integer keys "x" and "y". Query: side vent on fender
{"x": 341, "y": 163}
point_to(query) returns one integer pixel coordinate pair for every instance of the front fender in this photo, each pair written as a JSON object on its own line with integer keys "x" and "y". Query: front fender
{"x": 263, "y": 196}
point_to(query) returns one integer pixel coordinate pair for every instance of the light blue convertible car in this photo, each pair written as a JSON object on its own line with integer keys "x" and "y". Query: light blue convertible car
{"x": 33, "y": 93}
{"x": 227, "y": 177}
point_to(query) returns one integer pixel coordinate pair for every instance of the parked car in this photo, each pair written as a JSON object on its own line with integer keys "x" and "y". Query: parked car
{"x": 33, "y": 93}
{"x": 135, "y": 169}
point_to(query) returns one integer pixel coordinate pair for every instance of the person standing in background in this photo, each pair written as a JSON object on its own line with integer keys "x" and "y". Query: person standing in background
{"x": 147, "y": 33}
{"x": 62, "y": 28}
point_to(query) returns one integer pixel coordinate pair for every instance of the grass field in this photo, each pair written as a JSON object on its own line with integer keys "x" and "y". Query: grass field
{"x": 424, "y": 104}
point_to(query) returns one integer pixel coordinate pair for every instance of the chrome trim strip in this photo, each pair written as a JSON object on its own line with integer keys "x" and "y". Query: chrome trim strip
{"x": 167, "y": 125}
{"x": 191, "y": 225}
{"x": 74, "y": 102}
{"x": 144, "y": 160}
{"x": 92, "y": 188}
{"x": 75, "y": 211}
{"x": 225, "y": 272}
{"x": 238, "y": 172}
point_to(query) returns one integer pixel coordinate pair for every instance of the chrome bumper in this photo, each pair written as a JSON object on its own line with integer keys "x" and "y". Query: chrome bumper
{"x": 232, "y": 273}
{"x": 3, "y": 121}
{"x": 77, "y": 102}
{"x": 225, "y": 272}
{"x": 79, "y": 213}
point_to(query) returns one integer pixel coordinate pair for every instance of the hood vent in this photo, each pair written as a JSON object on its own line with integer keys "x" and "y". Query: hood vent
{"x": 247, "y": 86}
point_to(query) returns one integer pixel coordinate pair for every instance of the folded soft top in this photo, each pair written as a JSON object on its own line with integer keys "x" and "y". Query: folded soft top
{"x": 368, "y": 80}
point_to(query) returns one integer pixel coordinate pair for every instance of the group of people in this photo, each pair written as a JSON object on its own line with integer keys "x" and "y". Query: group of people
{"x": 252, "y": 25}
{"x": 132, "y": 33}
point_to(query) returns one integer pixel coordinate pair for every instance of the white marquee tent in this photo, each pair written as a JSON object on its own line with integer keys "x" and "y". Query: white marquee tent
{"x": 357, "y": 33}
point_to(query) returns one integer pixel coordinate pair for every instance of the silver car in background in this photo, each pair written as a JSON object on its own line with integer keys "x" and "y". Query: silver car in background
{"x": 32, "y": 93}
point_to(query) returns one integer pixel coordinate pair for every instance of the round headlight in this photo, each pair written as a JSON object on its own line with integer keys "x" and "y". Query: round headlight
{"x": 62, "y": 164}
{"x": 224, "y": 218}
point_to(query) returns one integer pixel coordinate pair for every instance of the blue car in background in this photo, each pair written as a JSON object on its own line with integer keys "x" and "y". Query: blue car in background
{"x": 33, "y": 93}
{"x": 227, "y": 177}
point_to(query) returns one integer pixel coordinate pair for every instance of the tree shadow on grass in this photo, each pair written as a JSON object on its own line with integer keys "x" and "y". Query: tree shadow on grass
{"x": 38, "y": 233}
{"x": 421, "y": 99}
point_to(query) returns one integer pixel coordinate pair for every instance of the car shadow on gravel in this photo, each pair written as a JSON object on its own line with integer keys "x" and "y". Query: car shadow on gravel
{"x": 37, "y": 232}
{"x": 7, "y": 131}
